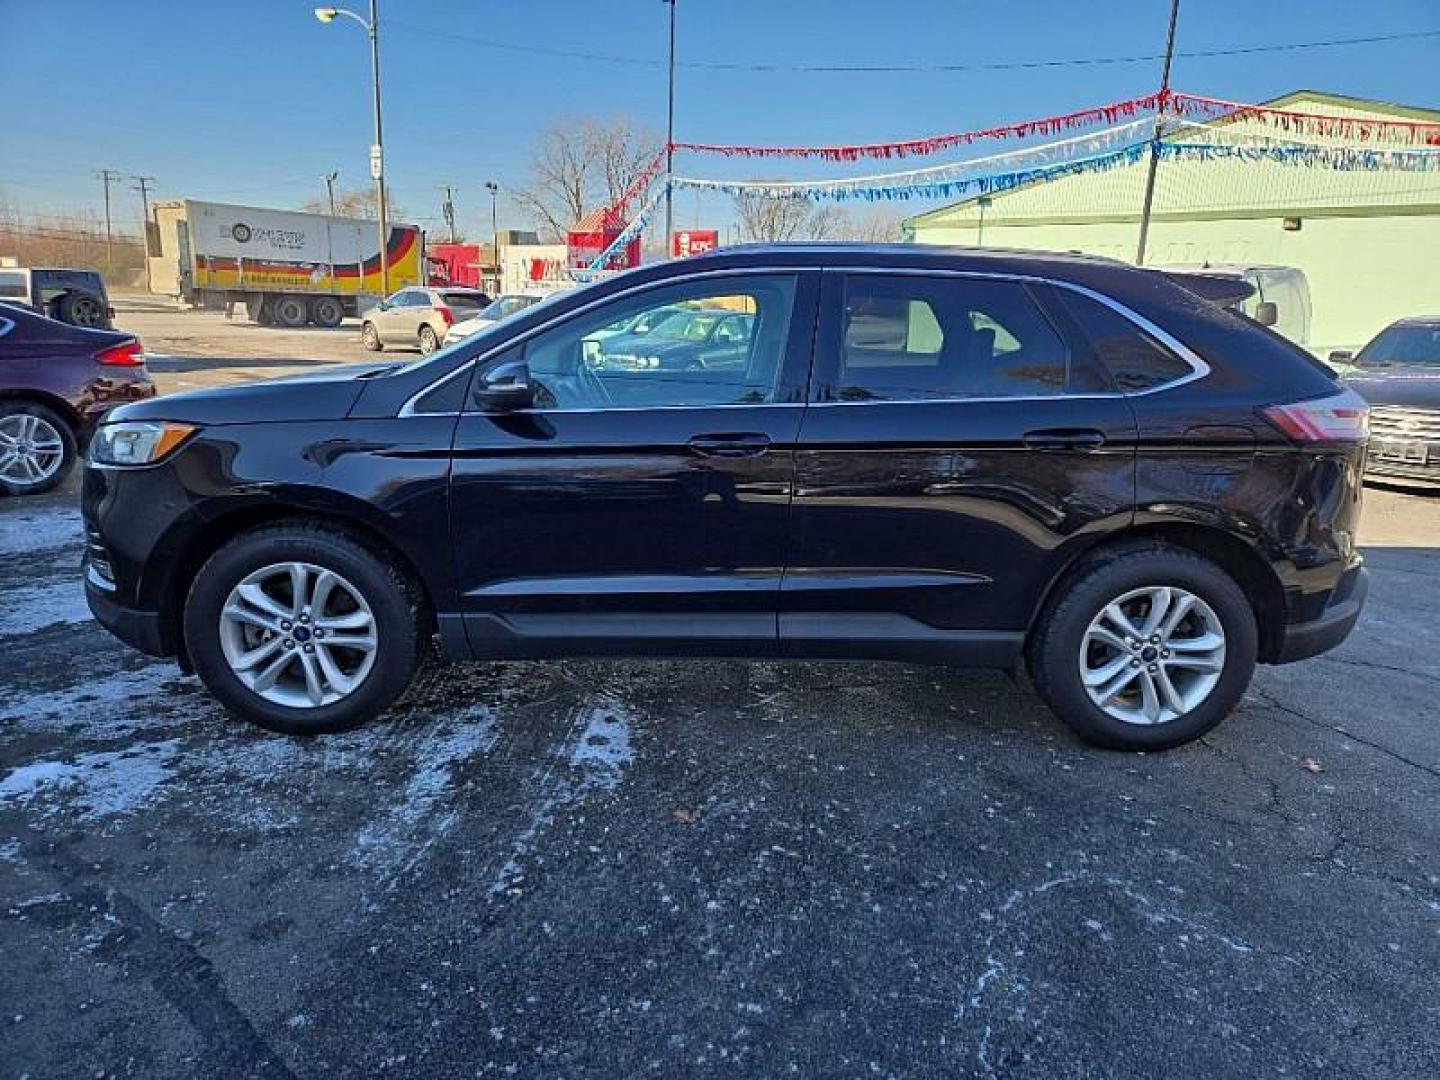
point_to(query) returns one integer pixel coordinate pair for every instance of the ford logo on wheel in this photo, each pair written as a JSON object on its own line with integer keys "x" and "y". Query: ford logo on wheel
{"x": 241, "y": 232}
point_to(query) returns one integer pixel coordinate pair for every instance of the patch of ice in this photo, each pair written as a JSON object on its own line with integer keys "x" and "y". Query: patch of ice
{"x": 42, "y": 529}
{"x": 33, "y": 607}
{"x": 594, "y": 761}
{"x": 99, "y": 785}
{"x": 110, "y": 706}
{"x": 395, "y": 841}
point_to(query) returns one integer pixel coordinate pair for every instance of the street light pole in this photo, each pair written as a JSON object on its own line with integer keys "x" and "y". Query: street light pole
{"x": 377, "y": 150}
{"x": 1159, "y": 130}
{"x": 330, "y": 178}
{"x": 494, "y": 190}
{"x": 670, "y": 134}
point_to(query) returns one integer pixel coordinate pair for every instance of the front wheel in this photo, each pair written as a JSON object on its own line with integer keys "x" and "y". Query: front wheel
{"x": 1144, "y": 648}
{"x": 370, "y": 337}
{"x": 302, "y": 629}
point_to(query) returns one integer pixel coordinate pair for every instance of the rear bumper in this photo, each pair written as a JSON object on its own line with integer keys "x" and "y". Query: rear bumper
{"x": 1307, "y": 639}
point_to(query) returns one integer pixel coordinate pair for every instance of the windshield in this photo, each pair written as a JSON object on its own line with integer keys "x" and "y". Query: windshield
{"x": 685, "y": 326}
{"x": 1419, "y": 344}
{"x": 507, "y": 305}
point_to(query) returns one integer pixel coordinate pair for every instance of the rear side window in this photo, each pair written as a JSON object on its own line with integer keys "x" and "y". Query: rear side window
{"x": 939, "y": 339}
{"x": 1135, "y": 360}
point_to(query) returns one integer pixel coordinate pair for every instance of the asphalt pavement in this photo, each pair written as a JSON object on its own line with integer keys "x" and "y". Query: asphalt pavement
{"x": 711, "y": 868}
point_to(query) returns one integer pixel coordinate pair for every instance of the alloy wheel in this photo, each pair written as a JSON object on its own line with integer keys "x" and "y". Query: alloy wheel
{"x": 298, "y": 635}
{"x": 31, "y": 450}
{"x": 1152, "y": 655}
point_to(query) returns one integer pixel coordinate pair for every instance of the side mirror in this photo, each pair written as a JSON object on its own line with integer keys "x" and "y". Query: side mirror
{"x": 1342, "y": 357}
{"x": 506, "y": 388}
{"x": 383, "y": 305}
{"x": 1266, "y": 313}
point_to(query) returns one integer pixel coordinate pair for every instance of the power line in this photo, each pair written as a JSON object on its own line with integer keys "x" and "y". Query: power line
{"x": 884, "y": 69}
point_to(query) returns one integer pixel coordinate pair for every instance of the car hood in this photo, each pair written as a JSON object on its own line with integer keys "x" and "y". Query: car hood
{"x": 471, "y": 325}
{"x": 1415, "y": 387}
{"x": 326, "y": 395}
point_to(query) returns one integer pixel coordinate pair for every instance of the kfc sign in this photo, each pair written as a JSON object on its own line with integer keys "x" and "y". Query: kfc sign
{"x": 693, "y": 242}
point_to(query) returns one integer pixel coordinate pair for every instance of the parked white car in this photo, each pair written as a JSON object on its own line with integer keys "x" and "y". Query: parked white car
{"x": 501, "y": 307}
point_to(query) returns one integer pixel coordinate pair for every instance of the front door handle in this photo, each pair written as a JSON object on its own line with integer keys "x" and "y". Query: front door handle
{"x": 1064, "y": 440}
{"x": 731, "y": 444}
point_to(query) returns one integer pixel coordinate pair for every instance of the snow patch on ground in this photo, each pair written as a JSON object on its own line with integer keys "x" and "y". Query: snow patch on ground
{"x": 34, "y": 607}
{"x": 592, "y": 761}
{"x": 395, "y": 841}
{"x": 108, "y": 707}
{"x": 97, "y": 785}
{"x": 25, "y": 531}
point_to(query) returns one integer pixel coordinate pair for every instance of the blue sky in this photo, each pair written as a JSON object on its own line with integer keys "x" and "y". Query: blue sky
{"x": 253, "y": 100}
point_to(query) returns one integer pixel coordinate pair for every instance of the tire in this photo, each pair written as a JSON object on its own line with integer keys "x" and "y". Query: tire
{"x": 326, "y": 311}
{"x": 82, "y": 309}
{"x": 290, "y": 311}
{"x": 37, "y": 448}
{"x": 370, "y": 338}
{"x": 1064, "y": 629}
{"x": 387, "y": 598}
{"x": 429, "y": 342}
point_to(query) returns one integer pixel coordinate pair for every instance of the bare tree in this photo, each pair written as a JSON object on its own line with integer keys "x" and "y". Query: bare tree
{"x": 355, "y": 203}
{"x": 873, "y": 226}
{"x": 770, "y": 218}
{"x": 581, "y": 165}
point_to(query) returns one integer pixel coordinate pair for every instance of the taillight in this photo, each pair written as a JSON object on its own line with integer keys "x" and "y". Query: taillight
{"x": 126, "y": 354}
{"x": 445, "y": 313}
{"x": 1340, "y": 418}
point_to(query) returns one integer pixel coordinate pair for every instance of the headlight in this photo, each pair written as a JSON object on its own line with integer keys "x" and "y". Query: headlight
{"x": 137, "y": 443}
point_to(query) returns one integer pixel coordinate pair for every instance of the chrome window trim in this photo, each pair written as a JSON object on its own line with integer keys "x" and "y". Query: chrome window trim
{"x": 1198, "y": 367}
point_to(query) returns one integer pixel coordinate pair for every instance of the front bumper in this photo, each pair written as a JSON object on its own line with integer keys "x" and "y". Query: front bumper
{"x": 141, "y": 630}
{"x": 1307, "y": 639}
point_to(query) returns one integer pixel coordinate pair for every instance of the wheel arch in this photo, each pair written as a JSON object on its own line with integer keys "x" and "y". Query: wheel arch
{"x": 53, "y": 402}
{"x": 1240, "y": 559}
{"x": 202, "y": 539}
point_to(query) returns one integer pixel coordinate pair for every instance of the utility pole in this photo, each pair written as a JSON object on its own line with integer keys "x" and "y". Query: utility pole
{"x": 142, "y": 185}
{"x": 106, "y": 176}
{"x": 494, "y": 190}
{"x": 447, "y": 209}
{"x": 670, "y": 133}
{"x": 1159, "y": 130}
{"x": 330, "y": 178}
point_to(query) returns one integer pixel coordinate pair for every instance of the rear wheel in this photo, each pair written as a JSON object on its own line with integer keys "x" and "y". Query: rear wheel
{"x": 326, "y": 311}
{"x": 302, "y": 629}
{"x": 428, "y": 341}
{"x": 371, "y": 337}
{"x": 290, "y": 311}
{"x": 1144, "y": 648}
{"x": 37, "y": 448}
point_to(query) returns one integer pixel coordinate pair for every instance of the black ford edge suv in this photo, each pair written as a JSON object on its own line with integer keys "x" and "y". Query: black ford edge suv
{"x": 919, "y": 454}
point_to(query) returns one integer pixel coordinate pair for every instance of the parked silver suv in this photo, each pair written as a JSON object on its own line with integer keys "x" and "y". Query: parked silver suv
{"x": 418, "y": 317}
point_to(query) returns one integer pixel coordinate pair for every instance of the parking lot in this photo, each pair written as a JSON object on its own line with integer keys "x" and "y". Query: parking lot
{"x": 601, "y": 869}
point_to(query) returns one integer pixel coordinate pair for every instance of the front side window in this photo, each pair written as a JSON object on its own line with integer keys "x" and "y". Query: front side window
{"x": 1135, "y": 360}
{"x": 921, "y": 339}
{"x": 694, "y": 344}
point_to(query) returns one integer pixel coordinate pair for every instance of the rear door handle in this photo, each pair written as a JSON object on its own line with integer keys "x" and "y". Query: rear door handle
{"x": 741, "y": 444}
{"x": 1064, "y": 440}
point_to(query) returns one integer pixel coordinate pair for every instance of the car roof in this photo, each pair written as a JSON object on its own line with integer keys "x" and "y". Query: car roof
{"x": 1418, "y": 320}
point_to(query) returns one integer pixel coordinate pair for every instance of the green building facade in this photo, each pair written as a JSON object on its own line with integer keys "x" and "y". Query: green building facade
{"x": 1368, "y": 242}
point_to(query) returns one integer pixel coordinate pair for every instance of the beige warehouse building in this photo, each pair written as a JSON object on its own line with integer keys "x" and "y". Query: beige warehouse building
{"x": 1367, "y": 241}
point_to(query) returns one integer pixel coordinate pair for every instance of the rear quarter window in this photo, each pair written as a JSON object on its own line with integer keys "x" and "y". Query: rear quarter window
{"x": 1134, "y": 359}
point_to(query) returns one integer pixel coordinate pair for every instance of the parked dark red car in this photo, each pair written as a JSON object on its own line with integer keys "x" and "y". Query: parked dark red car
{"x": 56, "y": 381}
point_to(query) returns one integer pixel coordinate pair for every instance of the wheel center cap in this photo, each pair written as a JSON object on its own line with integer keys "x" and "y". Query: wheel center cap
{"x": 301, "y": 633}
{"x": 1149, "y": 653}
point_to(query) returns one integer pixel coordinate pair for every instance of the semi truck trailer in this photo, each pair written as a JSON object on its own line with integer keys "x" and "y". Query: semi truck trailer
{"x": 285, "y": 267}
